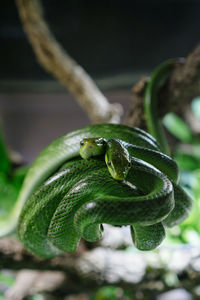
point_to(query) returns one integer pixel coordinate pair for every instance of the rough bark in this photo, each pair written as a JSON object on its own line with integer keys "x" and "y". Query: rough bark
{"x": 181, "y": 88}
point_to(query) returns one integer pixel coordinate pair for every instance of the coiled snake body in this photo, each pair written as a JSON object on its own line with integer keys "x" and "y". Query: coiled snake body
{"x": 65, "y": 197}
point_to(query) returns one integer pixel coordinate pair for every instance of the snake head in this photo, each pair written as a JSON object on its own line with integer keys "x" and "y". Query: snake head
{"x": 90, "y": 147}
{"x": 117, "y": 159}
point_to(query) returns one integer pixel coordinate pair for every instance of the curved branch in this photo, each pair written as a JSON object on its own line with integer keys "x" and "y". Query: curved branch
{"x": 55, "y": 60}
{"x": 181, "y": 88}
{"x": 184, "y": 84}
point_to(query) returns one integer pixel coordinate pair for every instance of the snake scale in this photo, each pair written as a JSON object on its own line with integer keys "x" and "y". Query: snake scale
{"x": 66, "y": 196}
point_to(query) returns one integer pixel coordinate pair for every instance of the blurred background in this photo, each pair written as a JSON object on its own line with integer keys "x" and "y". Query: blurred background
{"x": 116, "y": 42}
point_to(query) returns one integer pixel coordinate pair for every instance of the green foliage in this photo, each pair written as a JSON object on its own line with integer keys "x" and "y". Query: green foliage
{"x": 10, "y": 185}
{"x": 112, "y": 293}
{"x": 11, "y": 178}
{"x": 5, "y": 162}
{"x": 36, "y": 297}
{"x": 178, "y": 128}
{"x": 195, "y": 106}
{"x": 187, "y": 156}
{"x": 6, "y": 280}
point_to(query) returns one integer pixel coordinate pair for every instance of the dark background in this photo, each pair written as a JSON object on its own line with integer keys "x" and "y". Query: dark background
{"x": 115, "y": 41}
{"x": 105, "y": 37}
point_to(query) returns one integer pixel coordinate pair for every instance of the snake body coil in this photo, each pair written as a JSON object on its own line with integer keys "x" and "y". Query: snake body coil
{"x": 82, "y": 194}
{"x": 65, "y": 197}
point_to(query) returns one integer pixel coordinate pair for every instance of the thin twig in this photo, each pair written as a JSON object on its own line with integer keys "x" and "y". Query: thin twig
{"x": 57, "y": 61}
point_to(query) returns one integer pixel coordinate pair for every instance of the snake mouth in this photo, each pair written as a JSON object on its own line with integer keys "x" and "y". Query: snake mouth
{"x": 119, "y": 177}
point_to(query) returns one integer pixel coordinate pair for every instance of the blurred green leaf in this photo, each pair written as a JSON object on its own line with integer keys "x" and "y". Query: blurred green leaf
{"x": 5, "y": 162}
{"x": 189, "y": 230}
{"x": 10, "y": 186}
{"x": 195, "y": 106}
{"x": 8, "y": 279}
{"x": 187, "y": 161}
{"x": 112, "y": 293}
{"x": 177, "y": 127}
{"x": 36, "y": 297}
{"x": 2, "y": 296}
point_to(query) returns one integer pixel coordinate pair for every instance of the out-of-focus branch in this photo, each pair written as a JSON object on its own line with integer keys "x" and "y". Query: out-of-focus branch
{"x": 56, "y": 60}
{"x": 87, "y": 270}
{"x": 184, "y": 84}
{"x": 30, "y": 282}
{"x": 83, "y": 269}
{"x": 181, "y": 88}
{"x": 14, "y": 256}
{"x": 136, "y": 116}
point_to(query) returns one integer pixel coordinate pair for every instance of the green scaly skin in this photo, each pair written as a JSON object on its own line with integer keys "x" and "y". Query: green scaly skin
{"x": 60, "y": 151}
{"x": 157, "y": 80}
{"x": 65, "y": 197}
{"x": 73, "y": 202}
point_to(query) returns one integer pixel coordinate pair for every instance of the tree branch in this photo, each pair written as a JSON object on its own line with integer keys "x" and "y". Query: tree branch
{"x": 87, "y": 270}
{"x": 13, "y": 255}
{"x": 55, "y": 60}
{"x": 181, "y": 88}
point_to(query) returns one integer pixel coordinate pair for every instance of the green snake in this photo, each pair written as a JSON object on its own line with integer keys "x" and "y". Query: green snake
{"x": 100, "y": 174}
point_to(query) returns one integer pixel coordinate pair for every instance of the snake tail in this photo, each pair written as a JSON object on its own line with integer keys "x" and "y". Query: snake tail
{"x": 156, "y": 81}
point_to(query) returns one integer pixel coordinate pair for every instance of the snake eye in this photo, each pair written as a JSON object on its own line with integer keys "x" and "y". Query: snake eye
{"x": 102, "y": 141}
{"x": 81, "y": 143}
